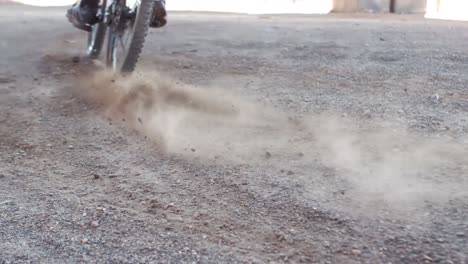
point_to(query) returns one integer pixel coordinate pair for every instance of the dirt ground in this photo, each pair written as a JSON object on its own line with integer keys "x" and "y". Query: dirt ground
{"x": 241, "y": 139}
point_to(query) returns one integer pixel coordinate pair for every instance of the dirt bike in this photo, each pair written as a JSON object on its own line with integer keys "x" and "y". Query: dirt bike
{"x": 126, "y": 24}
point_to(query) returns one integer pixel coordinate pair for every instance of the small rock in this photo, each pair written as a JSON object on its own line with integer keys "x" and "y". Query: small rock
{"x": 84, "y": 240}
{"x": 460, "y": 234}
{"x": 290, "y": 173}
{"x": 356, "y": 252}
{"x": 267, "y": 154}
{"x": 100, "y": 211}
{"x": 139, "y": 120}
{"x": 193, "y": 150}
{"x": 401, "y": 111}
{"x": 367, "y": 113}
{"x": 76, "y": 59}
{"x": 426, "y": 257}
{"x": 94, "y": 224}
{"x": 300, "y": 154}
{"x": 70, "y": 146}
{"x": 435, "y": 97}
{"x": 96, "y": 176}
{"x": 194, "y": 50}
{"x": 381, "y": 39}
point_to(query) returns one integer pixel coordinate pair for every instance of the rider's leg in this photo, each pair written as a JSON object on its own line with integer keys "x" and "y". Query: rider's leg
{"x": 158, "y": 18}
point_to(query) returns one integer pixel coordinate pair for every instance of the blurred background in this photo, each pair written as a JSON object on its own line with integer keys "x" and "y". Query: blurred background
{"x": 440, "y": 9}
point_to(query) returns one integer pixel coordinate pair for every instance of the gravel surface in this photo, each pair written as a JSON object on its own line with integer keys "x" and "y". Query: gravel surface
{"x": 240, "y": 139}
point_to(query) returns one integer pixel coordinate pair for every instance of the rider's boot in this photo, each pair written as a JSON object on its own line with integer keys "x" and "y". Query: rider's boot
{"x": 158, "y": 18}
{"x": 82, "y": 16}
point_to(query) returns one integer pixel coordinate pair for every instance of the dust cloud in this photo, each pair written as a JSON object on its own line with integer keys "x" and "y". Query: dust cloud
{"x": 391, "y": 167}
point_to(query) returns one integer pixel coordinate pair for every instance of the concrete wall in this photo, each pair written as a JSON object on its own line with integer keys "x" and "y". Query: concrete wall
{"x": 447, "y": 9}
{"x": 375, "y": 5}
{"x": 402, "y": 6}
{"x": 345, "y": 5}
{"x": 254, "y": 6}
{"x": 411, "y": 6}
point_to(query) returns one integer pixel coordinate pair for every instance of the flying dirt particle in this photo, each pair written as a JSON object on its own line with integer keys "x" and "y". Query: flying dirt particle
{"x": 70, "y": 146}
{"x": 94, "y": 224}
{"x": 76, "y": 59}
{"x": 382, "y": 39}
{"x": 193, "y": 150}
{"x": 100, "y": 211}
{"x": 427, "y": 258}
{"x": 139, "y": 120}
{"x": 112, "y": 176}
{"x": 281, "y": 171}
{"x": 290, "y": 173}
{"x": 194, "y": 50}
{"x": 96, "y": 176}
{"x": 267, "y": 154}
{"x": 300, "y": 154}
{"x": 113, "y": 81}
{"x": 356, "y": 252}
{"x": 460, "y": 234}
